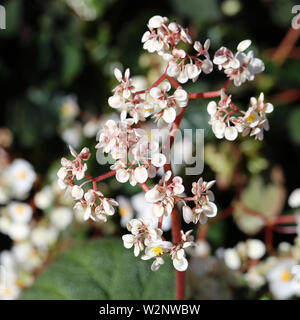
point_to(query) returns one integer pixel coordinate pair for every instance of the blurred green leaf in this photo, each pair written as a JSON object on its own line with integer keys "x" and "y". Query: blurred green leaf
{"x": 293, "y": 124}
{"x": 267, "y": 199}
{"x": 72, "y": 63}
{"x": 102, "y": 269}
{"x": 200, "y": 11}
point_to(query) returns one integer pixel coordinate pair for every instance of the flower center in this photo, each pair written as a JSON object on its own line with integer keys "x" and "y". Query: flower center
{"x": 124, "y": 212}
{"x": 20, "y": 209}
{"x": 21, "y": 175}
{"x": 251, "y": 118}
{"x": 285, "y": 276}
{"x": 7, "y": 292}
{"x": 158, "y": 251}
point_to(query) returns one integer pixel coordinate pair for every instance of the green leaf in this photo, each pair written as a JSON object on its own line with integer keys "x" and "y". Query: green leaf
{"x": 102, "y": 269}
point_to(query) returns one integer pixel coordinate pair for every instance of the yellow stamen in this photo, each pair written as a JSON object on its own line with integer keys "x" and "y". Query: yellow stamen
{"x": 124, "y": 212}
{"x": 251, "y": 118}
{"x": 65, "y": 109}
{"x": 7, "y": 291}
{"x": 286, "y": 276}
{"x": 20, "y": 209}
{"x": 21, "y": 175}
{"x": 158, "y": 251}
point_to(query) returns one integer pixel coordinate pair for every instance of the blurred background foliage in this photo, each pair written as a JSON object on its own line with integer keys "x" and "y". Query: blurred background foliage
{"x": 56, "y": 48}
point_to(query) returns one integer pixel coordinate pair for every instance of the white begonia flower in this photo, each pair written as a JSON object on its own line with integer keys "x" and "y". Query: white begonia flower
{"x": 61, "y": 217}
{"x": 44, "y": 198}
{"x": 219, "y": 127}
{"x": 19, "y": 211}
{"x": 280, "y": 279}
{"x": 177, "y": 252}
{"x": 156, "y": 250}
{"x": 255, "y": 248}
{"x": 21, "y": 176}
{"x": 142, "y": 234}
{"x": 294, "y": 199}
{"x": 77, "y": 192}
{"x": 232, "y": 259}
{"x": 19, "y": 231}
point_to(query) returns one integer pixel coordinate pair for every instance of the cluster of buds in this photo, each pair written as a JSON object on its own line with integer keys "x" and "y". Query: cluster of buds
{"x": 131, "y": 144}
{"x": 72, "y": 169}
{"x": 204, "y": 206}
{"x": 162, "y": 35}
{"x": 93, "y": 205}
{"x": 167, "y": 106}
{"x": 238, "y": 67}
{"x": 164, "y": 194}
{"x": 226, "y": 123}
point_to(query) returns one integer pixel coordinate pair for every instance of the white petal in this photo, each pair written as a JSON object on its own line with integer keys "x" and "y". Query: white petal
{"x": 158, "y": 160}
{"x": 231, "y": 133}
{"x": 122, "y": 175}
{"x": 140, "y": 174}
{"x": 243, "y": 45}
{"x": 169, "y": 115}
{"x": 188, "y": 214}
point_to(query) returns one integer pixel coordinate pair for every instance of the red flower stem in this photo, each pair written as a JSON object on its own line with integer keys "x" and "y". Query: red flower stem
{"x": 155, "y": 84}
{"x": 101, "y": 177}
{"x": 144, "y": 187}
{"x": 174, "y": 82}
{"x": 160, "y": 222}
{"x": 269, "y": 238}
{"x": 180, "y": 276}
{"x": 209, "y": 94}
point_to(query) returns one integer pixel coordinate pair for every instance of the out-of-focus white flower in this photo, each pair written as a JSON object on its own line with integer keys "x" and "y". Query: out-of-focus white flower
{"x": 19, "y": 231}
{"x": 20, "y": 176}
{"x": 232, "y": 259}
{"x": 294, "y": 199}
{"x": 5, "y": 224}
{"x": 254, "y": 279}
{"x": 125, "y": 210}
{"x": 27, "y": 257}
{"x": 73, "y": 135}
{"x": 44, "y": 197}
{"x": 9, "y": 291}
{"x": 61, "y": 217}
{"x": 43, "y": 237}
{"x": 19, "y": 211}
{"x": 280, "y": 279}
{"x": 255, "y": 248}
{"x": 70, "y": 108}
